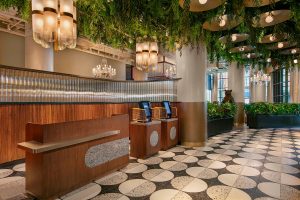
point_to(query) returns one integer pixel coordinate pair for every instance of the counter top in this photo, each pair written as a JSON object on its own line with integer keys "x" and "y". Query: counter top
{"x": 37, "y": 147}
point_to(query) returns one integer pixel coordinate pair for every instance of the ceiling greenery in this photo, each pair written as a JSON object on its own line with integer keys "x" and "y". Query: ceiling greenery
{"x": 120, "y": 23}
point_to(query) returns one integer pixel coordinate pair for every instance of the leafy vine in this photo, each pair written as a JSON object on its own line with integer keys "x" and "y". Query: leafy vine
{"x": 120, "y": 23}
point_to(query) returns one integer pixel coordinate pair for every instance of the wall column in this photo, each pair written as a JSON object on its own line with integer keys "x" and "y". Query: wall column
{"x": 236, "y": 84}
{"x": 295, "y": 85}
{"x": 37, "y": 57}
{"x": 260, "y": 92}
{"x": 215, "y": 88}
{"x": 270, "y": 90}
{"x": 191, "y": 67}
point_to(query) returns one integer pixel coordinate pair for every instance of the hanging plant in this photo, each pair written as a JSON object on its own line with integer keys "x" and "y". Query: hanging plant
{"x": 120, "y": 23}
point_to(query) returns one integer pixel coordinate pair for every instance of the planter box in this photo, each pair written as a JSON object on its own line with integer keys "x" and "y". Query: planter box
{"x": 217, "y": 126}
{"x": 273, "y": 121}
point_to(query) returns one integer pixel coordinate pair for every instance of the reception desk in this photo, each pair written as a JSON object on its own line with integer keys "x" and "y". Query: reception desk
{"x": 61, "y": 157}
{"x": 41, "y": 97}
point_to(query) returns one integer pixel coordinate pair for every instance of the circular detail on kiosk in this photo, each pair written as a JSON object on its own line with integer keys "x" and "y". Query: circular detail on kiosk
{"x": 154, "y": 138}
{"x": 173, "y": 133}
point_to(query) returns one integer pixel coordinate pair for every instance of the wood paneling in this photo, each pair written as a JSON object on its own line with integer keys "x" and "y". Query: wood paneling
{"x": 59, "y": 171}
{"x": 14, "y": 117}
{"x": 140, "y": 134}
{"x": 166, "y": 141}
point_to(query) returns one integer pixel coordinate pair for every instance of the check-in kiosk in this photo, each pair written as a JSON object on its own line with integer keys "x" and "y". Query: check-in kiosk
{"x": 169, "y": 125}
{"x": 145, "y": 131}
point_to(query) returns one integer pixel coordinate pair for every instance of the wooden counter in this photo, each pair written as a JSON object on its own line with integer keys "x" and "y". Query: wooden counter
{"x": 61, "y": 157}
{"x": 14, "y": 118}
{"x": 169, "y": 133}
{"x": 145, "y": 139}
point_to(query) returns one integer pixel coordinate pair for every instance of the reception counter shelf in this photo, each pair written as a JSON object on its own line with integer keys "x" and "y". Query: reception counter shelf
{"x": 19, "y": 85}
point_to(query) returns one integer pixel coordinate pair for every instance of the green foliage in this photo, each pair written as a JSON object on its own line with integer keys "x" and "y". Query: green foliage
{"x": 120, "y": 23}
{"x": 272, "y": 109}
{"x": 220, "y": 111}
{"x": 23, "y": 7}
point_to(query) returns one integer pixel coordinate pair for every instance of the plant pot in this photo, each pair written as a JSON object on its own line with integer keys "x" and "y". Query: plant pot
{"x": 273, "y": 121}
{"x": 217, "y": 126}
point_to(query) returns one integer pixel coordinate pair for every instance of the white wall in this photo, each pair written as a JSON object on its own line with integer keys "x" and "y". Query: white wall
{"x": 139, "y": 75}
{"x": 12, "y": 53}
{"x": 12, "y": 50}
{"x": 81, "y": 63}
{"x": 236, "y": 81}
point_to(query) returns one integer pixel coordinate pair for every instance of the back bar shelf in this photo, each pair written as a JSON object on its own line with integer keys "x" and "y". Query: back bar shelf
{"x": 20, "y": 85}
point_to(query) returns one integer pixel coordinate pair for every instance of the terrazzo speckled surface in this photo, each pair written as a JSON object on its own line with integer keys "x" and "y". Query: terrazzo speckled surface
{"x": 241, "y": 164}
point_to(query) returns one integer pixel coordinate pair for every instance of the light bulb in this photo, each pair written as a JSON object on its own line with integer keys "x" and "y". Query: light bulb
{"x": 296, "y": 61}
{"x": 233, "y": 37}
{"x": 50, "y": 22}
{"x": 269, "y": 60}
{"x": 50, "y": 4}
{"x": 294, "y": 51}
{"x": 139, "y": 47}
{"x": 242, "y": 49}
{"x": 222, "y": 22}
{"x": 249, "y": 55}
{"x": 269, "y": 19}
{"x": 37, "y": 5}
{"x": 202, "y": 1}
{"x": 66, "y": 6}
{"x": 272, "y": 38}
{"x": 280, "y": 45}
{"x": 66, "y": 24}
{"x": 37, "y": 23}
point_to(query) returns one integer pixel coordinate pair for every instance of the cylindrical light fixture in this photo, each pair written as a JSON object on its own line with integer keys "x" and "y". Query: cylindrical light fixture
{"x": 146, "y": 55}
{"x": 54, "y": 21}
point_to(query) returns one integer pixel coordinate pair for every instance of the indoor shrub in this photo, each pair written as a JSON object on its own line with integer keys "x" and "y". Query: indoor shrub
{"x": 272, "y": 109}
{"x": 220, "y": 111}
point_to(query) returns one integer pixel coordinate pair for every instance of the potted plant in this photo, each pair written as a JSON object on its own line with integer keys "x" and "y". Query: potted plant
{"x": 273, "y": 115}
{"x": 220, "y": 117}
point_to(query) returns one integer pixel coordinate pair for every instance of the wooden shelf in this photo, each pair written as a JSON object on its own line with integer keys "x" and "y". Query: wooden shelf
{"x": 37, "y": 147}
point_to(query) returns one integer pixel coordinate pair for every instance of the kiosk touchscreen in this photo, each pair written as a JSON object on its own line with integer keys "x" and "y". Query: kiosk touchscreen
{"x": 147, "y": 107}
{"x": 167, "y": 106}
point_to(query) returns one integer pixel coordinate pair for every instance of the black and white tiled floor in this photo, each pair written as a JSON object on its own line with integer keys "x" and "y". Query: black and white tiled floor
{"x": 239, "y": 165}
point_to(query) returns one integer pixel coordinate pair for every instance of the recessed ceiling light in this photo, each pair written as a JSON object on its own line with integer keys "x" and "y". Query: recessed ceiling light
{"x": 280, "y": 45}
{"x": 202, "y": 1}
{"x": 242, "y": 48}
{"x": 294, "y": 51}
{"x": 269, "y": 60}
{"x": 272, "y": 38}
{"x": 234, "y": 37}
{"x": 249, "y": 55}
{"x": 296, "y": 61}
{"x": 269, "y": 18}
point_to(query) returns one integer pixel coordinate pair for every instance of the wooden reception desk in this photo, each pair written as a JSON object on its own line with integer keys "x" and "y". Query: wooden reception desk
{"x": 61, "y": 157}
